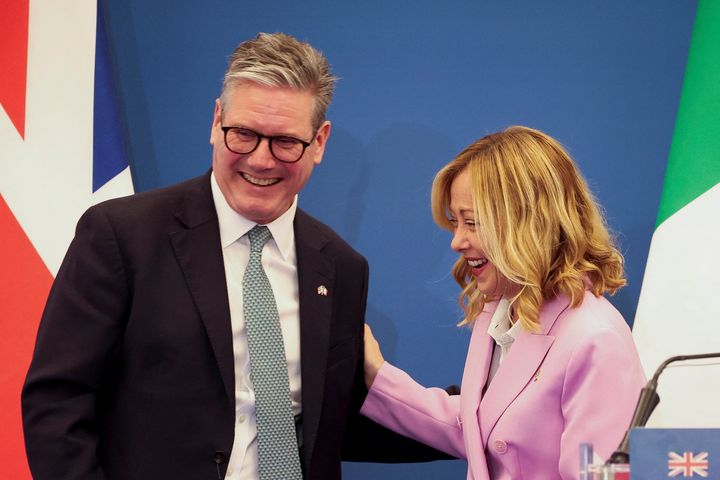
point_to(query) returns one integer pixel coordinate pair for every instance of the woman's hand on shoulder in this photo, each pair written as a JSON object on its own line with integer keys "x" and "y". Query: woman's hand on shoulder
{"x": 373, "y": 357}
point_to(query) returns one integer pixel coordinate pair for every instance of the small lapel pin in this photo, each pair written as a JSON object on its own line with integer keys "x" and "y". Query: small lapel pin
{"x": 322, "y": 290}
{"x": 536, "y": 376}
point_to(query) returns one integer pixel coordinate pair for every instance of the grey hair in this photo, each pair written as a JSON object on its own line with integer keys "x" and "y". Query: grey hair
{"x": 280, "y": 60}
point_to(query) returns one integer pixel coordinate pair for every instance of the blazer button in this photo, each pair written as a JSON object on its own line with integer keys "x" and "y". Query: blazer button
{"x": 220, "y": 457}
{"x": 500, "y": 446}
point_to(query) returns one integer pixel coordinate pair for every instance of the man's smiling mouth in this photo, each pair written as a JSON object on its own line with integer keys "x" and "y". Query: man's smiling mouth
{"x": 260, "y": 182}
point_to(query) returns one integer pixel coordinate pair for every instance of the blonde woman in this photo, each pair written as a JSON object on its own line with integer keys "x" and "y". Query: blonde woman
{"x": 551, "y": 363}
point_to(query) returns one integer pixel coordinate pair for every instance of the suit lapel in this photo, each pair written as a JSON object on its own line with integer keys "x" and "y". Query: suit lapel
{"x": 518, "y": 367}
{"x": 199, "y": 253}
{"x": 475, "y": 374}
{"x": 514, "y": 373}
{"x": 315, "y": 269}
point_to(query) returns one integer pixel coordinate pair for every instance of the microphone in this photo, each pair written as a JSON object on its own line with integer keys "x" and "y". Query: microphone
{"x": 647, "y": 402}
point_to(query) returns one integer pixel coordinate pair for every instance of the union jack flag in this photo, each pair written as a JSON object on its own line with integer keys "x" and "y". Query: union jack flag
{"x": 61, "y": 150}
{"x": 687, "y": 464}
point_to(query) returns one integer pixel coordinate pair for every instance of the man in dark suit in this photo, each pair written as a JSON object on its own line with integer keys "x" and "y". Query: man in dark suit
{"x": 142, "y": 366}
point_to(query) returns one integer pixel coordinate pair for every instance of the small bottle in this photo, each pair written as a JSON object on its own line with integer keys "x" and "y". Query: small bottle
{"x": 586, "y": 458}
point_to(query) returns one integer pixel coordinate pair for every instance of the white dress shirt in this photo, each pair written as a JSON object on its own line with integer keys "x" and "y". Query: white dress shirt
{"x": 504, "y": 333}
{"x": 280, "y": 264}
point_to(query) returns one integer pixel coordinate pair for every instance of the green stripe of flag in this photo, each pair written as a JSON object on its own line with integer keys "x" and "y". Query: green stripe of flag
{"x": 694, "y": 163}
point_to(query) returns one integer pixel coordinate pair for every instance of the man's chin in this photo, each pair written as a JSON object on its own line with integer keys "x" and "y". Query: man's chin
{"x": 261, "y": 214}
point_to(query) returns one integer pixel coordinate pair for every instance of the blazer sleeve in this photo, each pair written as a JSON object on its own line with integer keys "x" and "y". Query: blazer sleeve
{"x": 368, "y": 441}
{"x": 428, "y": 415}
{"x": 602, "y": 384}
{"x": 79, "y": 334}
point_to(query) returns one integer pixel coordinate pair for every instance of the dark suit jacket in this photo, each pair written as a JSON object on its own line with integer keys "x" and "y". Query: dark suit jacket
{"x": 132, "y": 375}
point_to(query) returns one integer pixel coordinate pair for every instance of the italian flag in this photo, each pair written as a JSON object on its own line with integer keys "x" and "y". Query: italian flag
{"x": 60, "y": 152}
{"x": 679, "y": 308}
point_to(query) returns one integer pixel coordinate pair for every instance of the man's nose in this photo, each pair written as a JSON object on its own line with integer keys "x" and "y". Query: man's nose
{"x": 262, "y": 156}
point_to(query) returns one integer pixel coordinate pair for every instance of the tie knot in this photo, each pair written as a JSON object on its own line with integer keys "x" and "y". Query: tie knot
{"x": 258, "y": 236}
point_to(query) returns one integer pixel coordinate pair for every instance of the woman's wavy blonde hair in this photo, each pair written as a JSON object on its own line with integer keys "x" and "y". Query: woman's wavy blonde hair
{"x": 541, "y": 226}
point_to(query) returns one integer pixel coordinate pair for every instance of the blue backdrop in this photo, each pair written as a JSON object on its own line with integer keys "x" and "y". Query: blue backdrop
{"x": 419, "y": 81}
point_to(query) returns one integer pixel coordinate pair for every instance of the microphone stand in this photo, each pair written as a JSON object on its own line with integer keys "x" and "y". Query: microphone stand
{"x": 647, "y": 402}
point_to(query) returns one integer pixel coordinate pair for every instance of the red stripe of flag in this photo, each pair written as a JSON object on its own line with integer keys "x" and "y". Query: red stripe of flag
{"x": 13, "y": 60}
{"x": 24, "y": 285}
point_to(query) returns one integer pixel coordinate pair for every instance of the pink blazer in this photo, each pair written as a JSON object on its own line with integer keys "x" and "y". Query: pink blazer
{"x": 575, "y": 381}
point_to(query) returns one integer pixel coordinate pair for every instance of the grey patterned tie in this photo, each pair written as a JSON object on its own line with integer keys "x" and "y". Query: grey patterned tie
{"x": 278, "y": 456}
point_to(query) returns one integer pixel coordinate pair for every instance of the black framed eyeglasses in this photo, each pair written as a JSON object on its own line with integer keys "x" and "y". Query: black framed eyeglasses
{"x": 242, "y": 141}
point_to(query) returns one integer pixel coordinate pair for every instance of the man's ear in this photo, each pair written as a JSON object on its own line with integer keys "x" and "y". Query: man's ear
{"x": 217, "y": 120}
{"x": 321, "y": 139}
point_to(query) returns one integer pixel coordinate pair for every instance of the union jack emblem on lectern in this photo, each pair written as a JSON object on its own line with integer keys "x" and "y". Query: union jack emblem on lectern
{"x": 687, "y": 464}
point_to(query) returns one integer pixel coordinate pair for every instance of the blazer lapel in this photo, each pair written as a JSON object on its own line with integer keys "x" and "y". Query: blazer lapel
{"x": 199, "y": 253}
{"x": 518, "y": 367}
{"x": 475, "y": 374}
{"x": 315, "y": 269}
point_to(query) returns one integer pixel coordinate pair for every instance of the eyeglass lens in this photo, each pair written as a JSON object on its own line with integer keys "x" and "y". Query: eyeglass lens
{"x": 242, "y": 141}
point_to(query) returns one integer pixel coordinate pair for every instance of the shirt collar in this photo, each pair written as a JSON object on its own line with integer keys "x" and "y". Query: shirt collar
{"x": 233, "y": 225}
{"x": 500, "y": 328}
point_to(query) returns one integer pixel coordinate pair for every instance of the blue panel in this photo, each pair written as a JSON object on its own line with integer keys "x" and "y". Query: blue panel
{"x": 421, "y": 79}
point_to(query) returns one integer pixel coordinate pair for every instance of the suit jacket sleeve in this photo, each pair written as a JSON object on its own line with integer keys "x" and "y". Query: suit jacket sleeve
{"x": 80, "y": 332}
{"x": 368, "y": 441}
{"x": 428, "y": 415}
